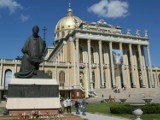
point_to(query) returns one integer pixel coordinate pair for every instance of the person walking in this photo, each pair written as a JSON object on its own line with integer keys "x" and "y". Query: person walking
{"x": 84, "y": 107}
{"x": 77, "y": 104}
{"x": 69, "y": 105}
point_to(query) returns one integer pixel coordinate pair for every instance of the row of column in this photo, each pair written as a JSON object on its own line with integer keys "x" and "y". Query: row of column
{"x": 112, "y": 64}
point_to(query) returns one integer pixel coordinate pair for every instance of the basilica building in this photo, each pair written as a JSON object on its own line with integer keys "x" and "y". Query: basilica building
{"x": 94, "y": 55}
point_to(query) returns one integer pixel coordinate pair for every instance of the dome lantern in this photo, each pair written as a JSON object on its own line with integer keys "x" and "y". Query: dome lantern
{"x": 70, "y": 12}
{"x": 66, "y": 25}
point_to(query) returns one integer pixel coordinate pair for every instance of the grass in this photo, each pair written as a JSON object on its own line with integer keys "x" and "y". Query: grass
{"x": 104, "y": 108}
{"x": 2, "y": 110}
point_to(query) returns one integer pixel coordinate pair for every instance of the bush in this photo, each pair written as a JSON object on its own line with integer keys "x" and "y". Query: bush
{"x": 127, "y": 109}
{"x": 121, "y": 109}
{"x": 151, "y": 109}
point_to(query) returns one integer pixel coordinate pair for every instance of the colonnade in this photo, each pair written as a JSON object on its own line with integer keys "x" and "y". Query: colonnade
{"x": 141, "y": 67}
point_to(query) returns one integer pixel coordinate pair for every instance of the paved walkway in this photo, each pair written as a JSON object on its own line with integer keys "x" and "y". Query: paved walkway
{"x": 91, "y": 116}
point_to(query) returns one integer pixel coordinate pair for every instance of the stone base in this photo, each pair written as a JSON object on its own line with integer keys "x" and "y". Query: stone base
{"x": 27, "y": 95}
{"x": 33, "y": 103}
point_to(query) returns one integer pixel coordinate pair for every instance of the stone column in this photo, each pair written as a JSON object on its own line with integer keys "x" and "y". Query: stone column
{"x": 15, "y": 69}
{"x": 112, "y": 65}
{"x": 86, "y": 77}
{"x": 0, "y": 96}
{"x": 141, "y": 67}
{"x": 131, "y": 65}
{"x": 77, "y": 62}
{"x": 122, "y": 68}
{"x": 90, "y": 67}
{"x": 156, "y": 81}
{"x": 58, "y": 57}
{"x": 68, "y": 83}
{"x": 56, "y": 73}
{"x": 150, "y": 68}
{"x": 101, "y": 64}
{"x": 1, "y": 74}
{"x": 15, "y": 66}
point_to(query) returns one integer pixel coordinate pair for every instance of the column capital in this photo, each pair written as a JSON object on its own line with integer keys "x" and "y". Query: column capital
{"x": 129, "y": 45}
{"x": 88, "y": 40}
{"x": 99, "y": 41}
{"x": 147, "y": 47}
{"x": 71, "y": 39}
{"x": 77, "y": 40}
{"x": 120, "y": 43}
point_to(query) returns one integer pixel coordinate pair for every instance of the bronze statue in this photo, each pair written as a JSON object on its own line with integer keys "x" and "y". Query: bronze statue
{"x": 32, "y": 55}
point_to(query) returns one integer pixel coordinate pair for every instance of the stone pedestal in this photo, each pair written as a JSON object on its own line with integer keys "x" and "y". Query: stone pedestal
{"x": 137, "y": 112}
{"x": 27, "y": 95}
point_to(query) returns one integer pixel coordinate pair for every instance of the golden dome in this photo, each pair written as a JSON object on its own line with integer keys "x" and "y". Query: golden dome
{"x": 66, "y": 24}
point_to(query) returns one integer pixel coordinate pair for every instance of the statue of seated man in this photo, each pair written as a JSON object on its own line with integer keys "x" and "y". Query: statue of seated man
{"x": 32, "y": 51}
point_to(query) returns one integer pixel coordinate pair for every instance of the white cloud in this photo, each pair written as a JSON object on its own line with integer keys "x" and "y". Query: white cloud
{"x": 12, "y": 5}
{"x": 110, "y": 8}
{"x": 24, "y": 17}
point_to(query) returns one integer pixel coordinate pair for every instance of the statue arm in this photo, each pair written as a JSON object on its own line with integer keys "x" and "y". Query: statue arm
{"x": 43, "y": 46}
{"x": 25, "y": 49}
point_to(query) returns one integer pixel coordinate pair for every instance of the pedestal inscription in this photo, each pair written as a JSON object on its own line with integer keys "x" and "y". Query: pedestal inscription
{"x": 32, "y": 91}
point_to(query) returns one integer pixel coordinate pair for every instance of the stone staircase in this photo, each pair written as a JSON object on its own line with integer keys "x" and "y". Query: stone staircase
{"x": 131, "y": 94}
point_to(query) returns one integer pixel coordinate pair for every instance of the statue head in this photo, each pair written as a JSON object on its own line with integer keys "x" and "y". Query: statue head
{"x": 35, "y": 31}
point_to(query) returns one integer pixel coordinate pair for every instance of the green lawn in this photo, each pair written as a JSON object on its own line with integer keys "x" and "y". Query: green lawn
{"x": 104, "y": 108}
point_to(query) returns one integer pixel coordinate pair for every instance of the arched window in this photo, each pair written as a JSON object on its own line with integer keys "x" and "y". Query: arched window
{"x": 93, "y": 79}
{"x": 63, "y": 33}
{"x": 7, "y": 79}
{"x": 81, "y": 78}
{"x": 49, "y": 73}
{"x": 80, "y": 54}
{"x": 58, "y": 35}
{"x": 61, "y": 78}
{"x": 92, "y": 56}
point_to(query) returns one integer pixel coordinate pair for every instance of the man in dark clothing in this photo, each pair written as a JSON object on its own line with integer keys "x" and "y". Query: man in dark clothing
{"x": 32, "y": 55}
{"x": 77, "y": 104}
{"x": 84, "y": 104}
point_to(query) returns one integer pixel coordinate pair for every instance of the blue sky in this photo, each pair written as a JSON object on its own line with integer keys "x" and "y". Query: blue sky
{"x": 17, "y": 17}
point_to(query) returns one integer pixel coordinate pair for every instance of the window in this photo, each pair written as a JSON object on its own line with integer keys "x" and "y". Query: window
{"x": 82, "y": 78}
{"x": 61, "y": 78}
{"x": 49, "y": 73}
{"x": 80, "y": 55}
{"x": 104, "y": 79}
{"x": 63, "y": 34}
{"x": 93, "y": 79}
{"x": 92, "y": 56}
{"x": 103, "y": 52}
{"x": 7, "y": 79}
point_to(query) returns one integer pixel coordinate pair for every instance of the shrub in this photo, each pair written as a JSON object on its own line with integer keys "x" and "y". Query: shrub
{"x": 151, "y": 109}
{"x": 127, "y": 109}
{"x": 121, "y": 109}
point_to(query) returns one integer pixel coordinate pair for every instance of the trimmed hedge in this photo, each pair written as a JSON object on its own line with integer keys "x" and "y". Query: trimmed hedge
{"x": 121, "y": 109}
{"x": 127, "y": 109}
{"x": 151, "y": 109}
